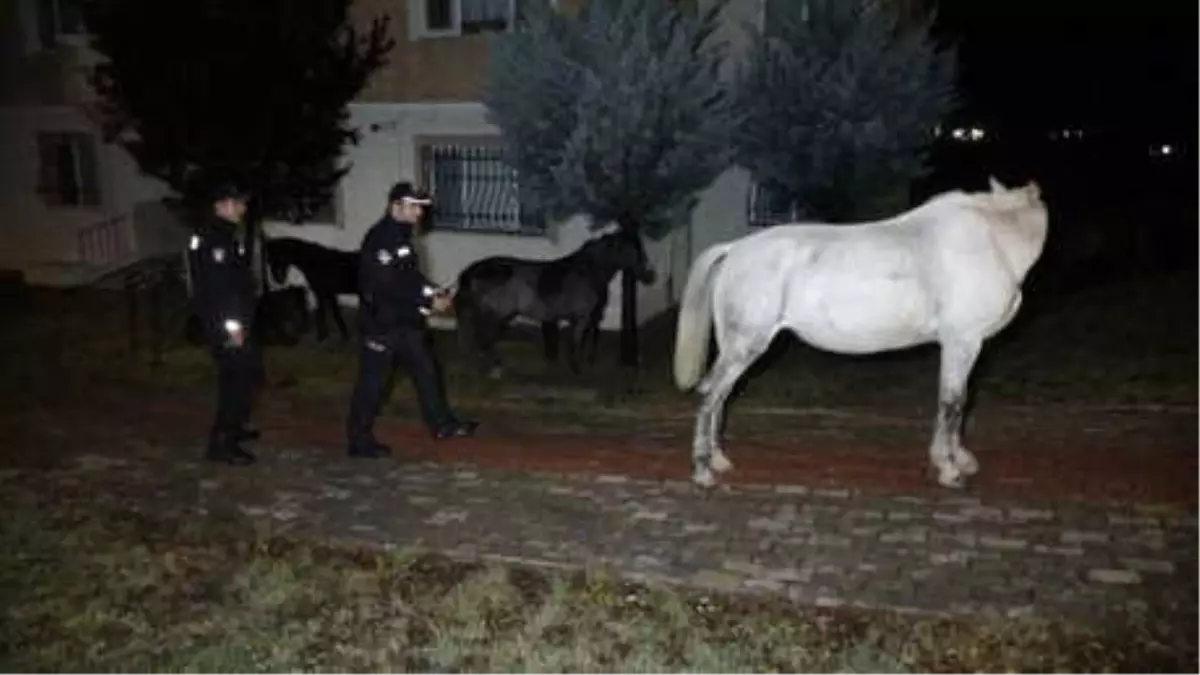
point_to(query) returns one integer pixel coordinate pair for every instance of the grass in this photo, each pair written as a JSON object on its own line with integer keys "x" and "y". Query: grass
{"x": 99, "y": 589}
{"x": 1123, "y": 343}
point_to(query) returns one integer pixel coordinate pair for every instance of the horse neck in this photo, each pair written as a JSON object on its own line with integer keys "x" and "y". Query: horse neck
{"x": 599, "y": 272}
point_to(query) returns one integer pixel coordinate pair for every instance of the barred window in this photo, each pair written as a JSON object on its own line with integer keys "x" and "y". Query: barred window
{"x": 475, "y": 190}
{"x": 765, "y": 207}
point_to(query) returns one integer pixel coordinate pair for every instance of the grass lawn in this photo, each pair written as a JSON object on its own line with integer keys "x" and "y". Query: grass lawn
{"x": 92, "y": 590}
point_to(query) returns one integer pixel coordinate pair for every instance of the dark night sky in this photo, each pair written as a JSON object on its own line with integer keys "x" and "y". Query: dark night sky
{"x": 1124, "y": 66}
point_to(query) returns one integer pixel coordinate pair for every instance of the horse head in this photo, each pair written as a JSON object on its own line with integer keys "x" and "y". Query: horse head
{"x": 1021, "y": 222}
{"x": 623, "y": 251}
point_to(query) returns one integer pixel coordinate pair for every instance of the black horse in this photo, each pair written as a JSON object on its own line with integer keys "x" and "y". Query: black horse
{"x": 571, "y": 292}
{"x": 329, "y": 273}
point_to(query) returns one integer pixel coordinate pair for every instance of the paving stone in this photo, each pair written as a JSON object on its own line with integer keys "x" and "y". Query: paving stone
{"x": 1084, "y": 537}
{"x": 1109, "y": 576}
{"x": 1149, "y": 565}
{"x": 989, "y": 541}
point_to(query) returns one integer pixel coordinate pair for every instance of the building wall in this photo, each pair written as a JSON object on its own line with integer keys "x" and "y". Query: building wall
{"x": 34, "y": 232}
{"x": 390, "y": 154}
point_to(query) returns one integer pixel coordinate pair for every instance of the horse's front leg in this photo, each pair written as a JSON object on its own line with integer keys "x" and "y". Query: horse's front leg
{"x": 953, "y": 462}
{"x": 576, "y": 332}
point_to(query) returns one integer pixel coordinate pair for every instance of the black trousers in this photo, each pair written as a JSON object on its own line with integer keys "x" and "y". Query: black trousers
{"x": 377, "y": 362}
{"x": 239, "y": 374}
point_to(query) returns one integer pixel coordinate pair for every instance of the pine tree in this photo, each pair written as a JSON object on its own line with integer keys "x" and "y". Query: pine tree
{"x": 214, "y": 90}
{"x": 617, "y": 113}
{"x": 839, "y": 101}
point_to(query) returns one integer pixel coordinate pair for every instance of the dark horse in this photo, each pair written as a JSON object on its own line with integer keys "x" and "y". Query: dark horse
{"x": 571, "y": 292}
{"x": 329, "y": 273}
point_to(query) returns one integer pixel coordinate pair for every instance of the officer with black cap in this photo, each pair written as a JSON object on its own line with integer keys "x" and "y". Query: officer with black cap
{"x": 396, "y": 298}
{"x": 223, "y": 299}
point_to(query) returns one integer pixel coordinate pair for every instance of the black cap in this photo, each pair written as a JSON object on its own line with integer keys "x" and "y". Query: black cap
{"x": 228, "y": 191}
{"x": 405, "y": 192}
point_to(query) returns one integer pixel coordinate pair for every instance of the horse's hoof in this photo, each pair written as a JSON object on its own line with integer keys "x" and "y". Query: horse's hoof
{"x": 952, "y": 478}
{"x": 719, "y": 462}
{"x": 966, "y": 463}
{"x": 703, "y": 477}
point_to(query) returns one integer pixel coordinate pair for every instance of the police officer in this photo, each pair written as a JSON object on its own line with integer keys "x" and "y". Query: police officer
{"x": 395, "y": 300}
{"x": 223, "y": 299}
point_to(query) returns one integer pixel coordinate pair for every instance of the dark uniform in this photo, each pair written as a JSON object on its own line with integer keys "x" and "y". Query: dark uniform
{"x": 223, "y": 300}
{"x": 395, "y": 300}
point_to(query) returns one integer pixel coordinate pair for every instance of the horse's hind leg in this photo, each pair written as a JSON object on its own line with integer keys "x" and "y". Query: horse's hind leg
{"x": 952, "y": 461}
{"x": 707, "y": 455}
{"x": 336, "y": 310}
{"x": 550, "y": 335}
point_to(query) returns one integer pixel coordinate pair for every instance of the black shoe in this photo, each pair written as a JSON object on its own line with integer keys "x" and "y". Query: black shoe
{"x": 370, "y": 449}
{"x": 455, "y": 429}
{"x": 229, "y": 453}
{"x": 249, "y": 433}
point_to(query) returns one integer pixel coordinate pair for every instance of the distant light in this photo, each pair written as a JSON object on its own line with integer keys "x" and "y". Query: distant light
{"x": 968, "y": 134}
{"x": 1064, "y": 134}
{"x": 1166, "y": 149}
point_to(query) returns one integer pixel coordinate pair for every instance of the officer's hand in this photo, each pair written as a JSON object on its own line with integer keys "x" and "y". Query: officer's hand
{"x": 441, "y": 303}
{"x": 236, "y": 333}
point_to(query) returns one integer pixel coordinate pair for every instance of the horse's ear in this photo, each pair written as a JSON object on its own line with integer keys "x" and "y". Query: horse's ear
{"x": 996, "y": 186}
{"x": 1033, "y": 190}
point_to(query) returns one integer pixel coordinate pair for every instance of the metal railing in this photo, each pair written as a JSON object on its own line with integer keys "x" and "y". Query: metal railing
{"x": 105, "y": 242}
{"x": 475, "y": 190}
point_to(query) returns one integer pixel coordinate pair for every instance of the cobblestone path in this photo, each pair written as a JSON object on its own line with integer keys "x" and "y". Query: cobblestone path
{"x": 955, "y": 554}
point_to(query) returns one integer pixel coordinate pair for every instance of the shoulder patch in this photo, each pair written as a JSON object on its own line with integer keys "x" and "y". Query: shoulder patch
{"x": 384, "y": 257}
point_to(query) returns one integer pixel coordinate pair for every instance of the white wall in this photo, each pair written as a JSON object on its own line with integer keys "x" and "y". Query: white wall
{"x": 386, "y": 156}
{"x": 32, "y": 232}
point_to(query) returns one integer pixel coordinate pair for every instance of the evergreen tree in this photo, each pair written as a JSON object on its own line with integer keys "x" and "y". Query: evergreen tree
{"x": 839, "y": 101}
{"x": 616, "y": 112}
{"x": 214, "y": 90}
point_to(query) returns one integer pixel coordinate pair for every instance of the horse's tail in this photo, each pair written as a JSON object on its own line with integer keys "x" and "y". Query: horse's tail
{"x": 695, "y": 318}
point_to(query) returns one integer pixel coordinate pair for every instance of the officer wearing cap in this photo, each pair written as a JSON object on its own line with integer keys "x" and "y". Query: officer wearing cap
{"x": 396, "y": 298}
{"x": 223, "y": 299}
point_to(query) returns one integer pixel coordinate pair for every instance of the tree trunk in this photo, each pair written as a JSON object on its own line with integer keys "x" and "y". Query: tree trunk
{"x": 629, "y": 335}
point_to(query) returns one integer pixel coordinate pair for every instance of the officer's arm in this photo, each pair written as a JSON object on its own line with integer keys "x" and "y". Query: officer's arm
{"x": 421, "y": 289}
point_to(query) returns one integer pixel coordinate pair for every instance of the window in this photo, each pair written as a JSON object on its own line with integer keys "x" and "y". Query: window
{"x": 58, "y": 18}
{"x": 67, "y": 169}
{"x": 766, "y": 207}
{"x": 438, "y": 18}
{"x": 475, "y": 190}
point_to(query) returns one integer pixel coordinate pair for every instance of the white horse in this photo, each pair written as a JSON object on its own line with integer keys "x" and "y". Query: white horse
{"x": 948, "y": 271}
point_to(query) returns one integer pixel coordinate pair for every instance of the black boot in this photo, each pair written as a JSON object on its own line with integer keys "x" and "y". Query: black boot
{"x": 223, "y": 448}
{"x": 369, "y": 448}
{"x": 249, "y": 433}
{"x": 455, "y": 429}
